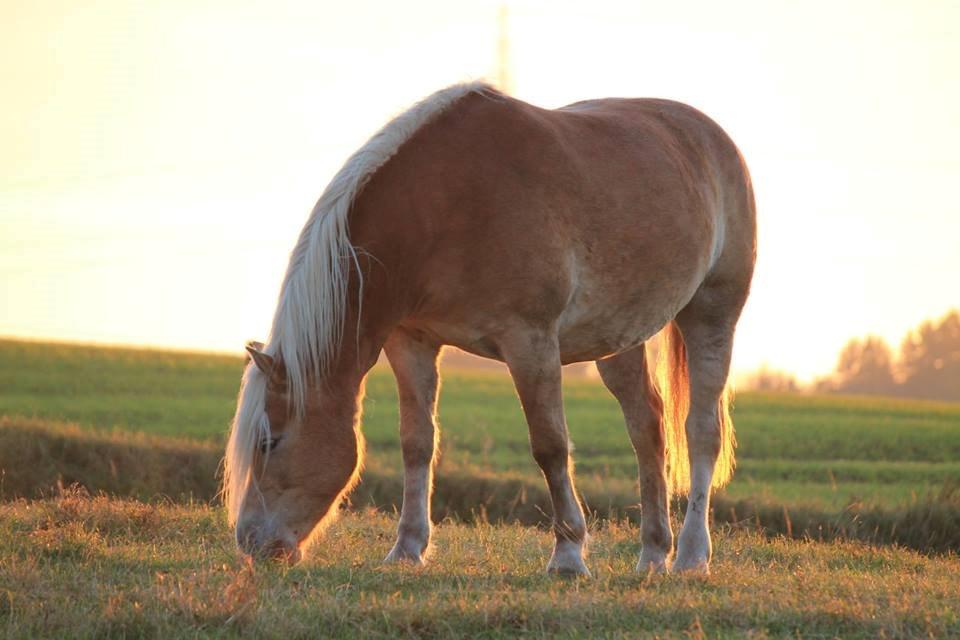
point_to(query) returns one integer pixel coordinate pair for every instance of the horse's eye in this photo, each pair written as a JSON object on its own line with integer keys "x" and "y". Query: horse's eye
{"x": 269, "y": 445}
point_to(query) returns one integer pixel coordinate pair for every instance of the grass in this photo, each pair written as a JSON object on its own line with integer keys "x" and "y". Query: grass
{"x": 38, "y": 458}
{"x": 151, "y": 425}
{"x": 156, "y": 392}
{"x": 817, "y": 451}
{"x": 97, "y": 567}
{"x": 41, "y": 458}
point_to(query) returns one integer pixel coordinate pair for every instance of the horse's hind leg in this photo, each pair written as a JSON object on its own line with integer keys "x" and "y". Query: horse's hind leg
{"x": 534, "y": 361}
{"x": 414, "y": 364}
{"x": 707, "y": 329}
{"x": 626, "y": 375}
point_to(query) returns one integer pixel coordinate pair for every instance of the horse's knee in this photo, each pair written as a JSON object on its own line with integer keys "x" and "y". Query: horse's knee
{"x": 417, "y": 452}
{"x": 418, "y": 441}
{"x": 551, "y": 455}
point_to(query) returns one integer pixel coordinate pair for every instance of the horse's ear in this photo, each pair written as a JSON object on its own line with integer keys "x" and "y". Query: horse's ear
{"x": 263, "y": 361}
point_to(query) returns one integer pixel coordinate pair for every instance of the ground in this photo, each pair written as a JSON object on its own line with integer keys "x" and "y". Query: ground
{"x": 809, "y": 538}
{"x": 82, "y": 567}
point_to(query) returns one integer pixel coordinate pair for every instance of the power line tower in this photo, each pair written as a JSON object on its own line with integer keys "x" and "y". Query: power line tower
{"x": 504, "y": 79}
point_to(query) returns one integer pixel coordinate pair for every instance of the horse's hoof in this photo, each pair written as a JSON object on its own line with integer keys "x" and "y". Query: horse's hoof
{"x": 656, "y": 566}
{"x": 693, "y": 551}
{"x": 568, "y": 567}
{"x": 570, "y": 572}
{"x": 692, "y": 566}
{"x": 400, "y": 554}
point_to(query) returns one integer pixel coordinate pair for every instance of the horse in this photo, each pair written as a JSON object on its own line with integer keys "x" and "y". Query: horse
{"x": 530, "y": 236}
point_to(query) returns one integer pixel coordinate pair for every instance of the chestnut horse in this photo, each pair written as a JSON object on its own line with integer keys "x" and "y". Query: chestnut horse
{"x": 534, "y": 237}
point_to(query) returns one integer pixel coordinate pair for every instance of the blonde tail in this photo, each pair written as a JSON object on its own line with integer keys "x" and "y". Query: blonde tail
{"x": 673, "y": 380}
{"x": 726, "y": 461}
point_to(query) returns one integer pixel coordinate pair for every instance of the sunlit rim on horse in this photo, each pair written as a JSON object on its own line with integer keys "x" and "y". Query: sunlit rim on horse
{"x": 531, "y": 236}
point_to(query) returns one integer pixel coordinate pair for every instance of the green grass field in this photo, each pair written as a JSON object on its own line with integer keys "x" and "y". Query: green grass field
{"x": 825, "y": 452}
{"x": 146, "y": 423}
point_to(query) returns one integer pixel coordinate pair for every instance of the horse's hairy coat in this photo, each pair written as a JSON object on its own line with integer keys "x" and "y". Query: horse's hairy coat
{"x": 533, "y": 236}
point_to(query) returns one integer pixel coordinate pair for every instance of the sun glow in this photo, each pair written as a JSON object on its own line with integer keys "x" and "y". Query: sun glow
{"x": 158, "y": 160}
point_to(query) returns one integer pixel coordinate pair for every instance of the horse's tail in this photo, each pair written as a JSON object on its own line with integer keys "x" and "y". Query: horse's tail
{"x": 673, "y": 380}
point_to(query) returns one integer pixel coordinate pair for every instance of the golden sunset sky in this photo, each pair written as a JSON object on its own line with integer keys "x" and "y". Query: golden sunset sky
{"x": 157, "y": 159}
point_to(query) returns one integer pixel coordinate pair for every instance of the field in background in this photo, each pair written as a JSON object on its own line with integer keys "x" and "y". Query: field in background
{"x": 151, "y": 425}
{"x": 815, "y": 452}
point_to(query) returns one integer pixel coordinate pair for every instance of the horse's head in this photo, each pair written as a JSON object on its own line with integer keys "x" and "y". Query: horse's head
{"x": 288, "y": 466}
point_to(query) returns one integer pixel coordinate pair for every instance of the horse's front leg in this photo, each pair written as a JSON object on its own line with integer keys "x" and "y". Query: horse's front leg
{"x": 534, "y": 361}
{"x": 414, "y": 363}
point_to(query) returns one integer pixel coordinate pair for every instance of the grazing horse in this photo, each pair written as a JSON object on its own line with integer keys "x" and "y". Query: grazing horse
{"x": 535, "y": 237}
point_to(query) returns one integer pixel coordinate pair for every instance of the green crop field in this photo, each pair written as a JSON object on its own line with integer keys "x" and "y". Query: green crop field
{"x": 817, "y": 452}
{"x": 143, "y": 424}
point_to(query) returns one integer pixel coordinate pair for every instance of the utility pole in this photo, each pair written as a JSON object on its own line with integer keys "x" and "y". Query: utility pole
{"x": 504, "y": 81}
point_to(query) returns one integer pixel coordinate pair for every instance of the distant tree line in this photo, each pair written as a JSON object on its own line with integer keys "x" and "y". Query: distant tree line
{"x": 766, "y": 379}
{"x": 926, "y": 366}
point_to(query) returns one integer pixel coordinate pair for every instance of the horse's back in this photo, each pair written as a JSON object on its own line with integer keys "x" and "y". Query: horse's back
{"x": 602, "y": 219}
{"x": 648, "y": 172}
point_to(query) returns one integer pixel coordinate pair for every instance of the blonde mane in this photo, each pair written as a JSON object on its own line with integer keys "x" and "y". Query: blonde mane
{"x": 308, "y": 323}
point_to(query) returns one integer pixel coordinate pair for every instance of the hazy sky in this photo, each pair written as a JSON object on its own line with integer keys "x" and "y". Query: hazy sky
{"x": 158, "y": 159}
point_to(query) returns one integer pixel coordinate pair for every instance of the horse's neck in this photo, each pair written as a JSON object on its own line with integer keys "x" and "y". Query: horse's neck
{"x": 374, "y": 308}
{"x": 338, "y": 395}
{"x": 359, "y": 347}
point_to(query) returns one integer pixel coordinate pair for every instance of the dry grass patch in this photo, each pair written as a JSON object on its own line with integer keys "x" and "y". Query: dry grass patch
{"x": 95, "y": 567}
{"x": 39, "y": 457}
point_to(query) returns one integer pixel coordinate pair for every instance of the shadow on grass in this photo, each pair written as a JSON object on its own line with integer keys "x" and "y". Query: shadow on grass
{"x": 39, "y": 458}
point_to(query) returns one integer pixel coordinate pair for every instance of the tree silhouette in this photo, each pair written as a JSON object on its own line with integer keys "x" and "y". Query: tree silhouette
{"x": 928, "y": 365}
{"x": 865, "y": 366}
{"x": 766, "y": 379}
{"x": 930, "y": 359}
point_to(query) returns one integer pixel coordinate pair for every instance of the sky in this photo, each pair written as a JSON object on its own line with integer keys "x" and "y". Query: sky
{"x": 157, "y": 160}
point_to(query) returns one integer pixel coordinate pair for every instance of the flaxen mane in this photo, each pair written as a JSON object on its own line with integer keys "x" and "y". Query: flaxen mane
{"x": 308, "y": 323}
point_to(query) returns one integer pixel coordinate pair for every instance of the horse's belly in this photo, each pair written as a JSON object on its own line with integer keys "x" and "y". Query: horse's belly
{"x": 609, "y": 314}
{"x": 612, "y": 305}
{"x": 591, "y": 334}
{"x": 588, "y": 329}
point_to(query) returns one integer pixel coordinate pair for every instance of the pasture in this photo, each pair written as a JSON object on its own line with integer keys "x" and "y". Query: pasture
{"x": 138, "y": 424}
{"x": 81, "y": 567}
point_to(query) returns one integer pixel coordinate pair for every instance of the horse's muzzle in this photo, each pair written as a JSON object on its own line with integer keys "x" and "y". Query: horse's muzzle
{"x": 254, "y": 540}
